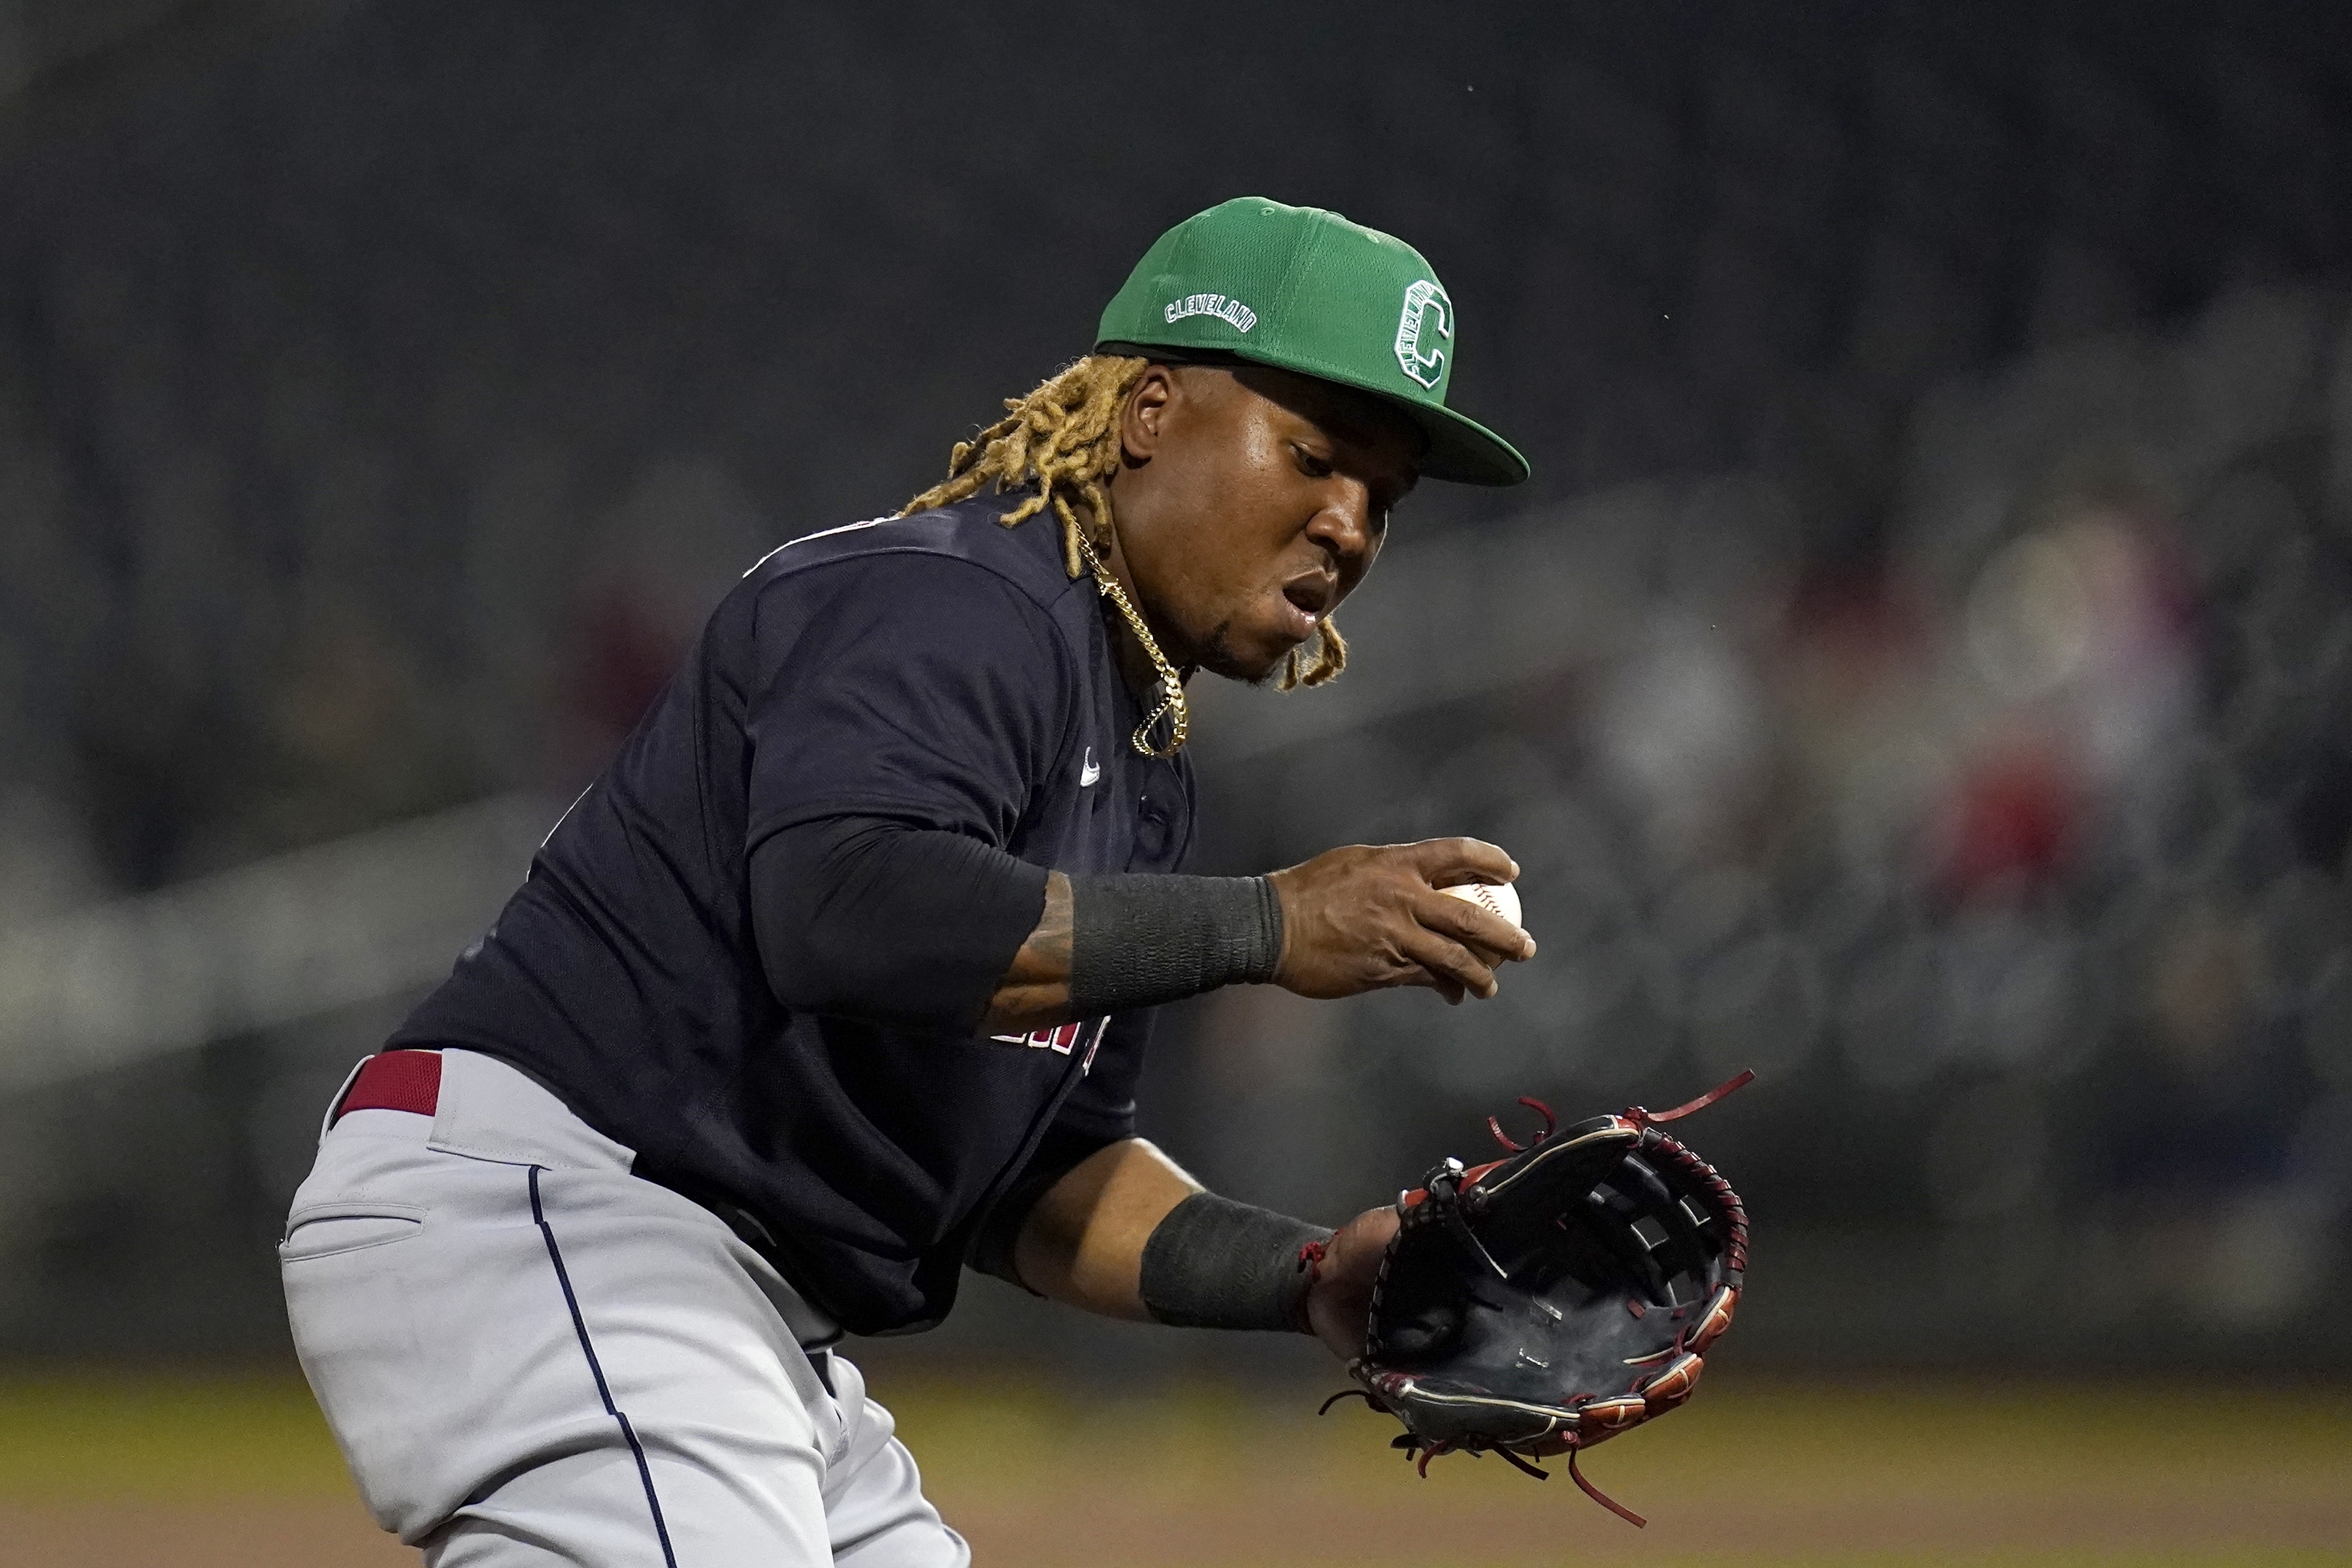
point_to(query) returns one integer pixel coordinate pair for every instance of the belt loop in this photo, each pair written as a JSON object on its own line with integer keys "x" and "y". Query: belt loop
{"x": 326, "y": 1123}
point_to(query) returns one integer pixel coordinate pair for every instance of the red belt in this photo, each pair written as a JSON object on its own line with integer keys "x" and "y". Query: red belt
{"x": 394, "y": 1080}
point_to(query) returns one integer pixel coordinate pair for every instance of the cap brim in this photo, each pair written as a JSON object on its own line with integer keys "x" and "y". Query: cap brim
{"x": 1460, "y": 450}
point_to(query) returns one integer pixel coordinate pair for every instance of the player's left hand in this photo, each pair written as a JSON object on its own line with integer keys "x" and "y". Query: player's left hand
{"x": 1339, "y": 1301}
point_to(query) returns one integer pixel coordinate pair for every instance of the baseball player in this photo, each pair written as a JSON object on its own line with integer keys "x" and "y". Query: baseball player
{"x": 837, "y": 982}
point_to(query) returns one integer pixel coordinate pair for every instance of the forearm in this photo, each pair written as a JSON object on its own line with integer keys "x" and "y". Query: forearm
{"x": 1127, "y": 1234}
{"x": 1083, "y": 1242}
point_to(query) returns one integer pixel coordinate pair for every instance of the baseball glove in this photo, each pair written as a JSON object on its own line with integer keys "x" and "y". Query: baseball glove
{"x": 1552, "y": 1299}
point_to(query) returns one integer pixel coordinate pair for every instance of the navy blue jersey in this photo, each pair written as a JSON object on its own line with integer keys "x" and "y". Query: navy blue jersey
{"x": 940, "y": 669}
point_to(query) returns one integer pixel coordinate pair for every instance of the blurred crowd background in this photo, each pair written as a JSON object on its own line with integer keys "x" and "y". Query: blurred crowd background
{"x": 1917, "y": 670}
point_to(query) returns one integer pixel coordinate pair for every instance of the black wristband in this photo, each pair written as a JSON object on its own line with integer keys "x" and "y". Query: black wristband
{"x": 1138, "y": 940}
{"x": 1213, "y": 1263}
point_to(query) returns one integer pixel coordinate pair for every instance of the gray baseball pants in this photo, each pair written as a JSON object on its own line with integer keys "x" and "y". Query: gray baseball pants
{"x": 532, "y": 1357}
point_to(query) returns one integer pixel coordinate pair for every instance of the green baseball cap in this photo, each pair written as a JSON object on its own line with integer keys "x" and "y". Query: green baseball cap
{"x": 1306, "y": 290}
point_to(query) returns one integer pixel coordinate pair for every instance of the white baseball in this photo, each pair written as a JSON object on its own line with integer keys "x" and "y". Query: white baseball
{"x": 1496, "y": 898}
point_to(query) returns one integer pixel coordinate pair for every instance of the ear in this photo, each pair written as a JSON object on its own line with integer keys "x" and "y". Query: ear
{"x": 1143, "y": 421}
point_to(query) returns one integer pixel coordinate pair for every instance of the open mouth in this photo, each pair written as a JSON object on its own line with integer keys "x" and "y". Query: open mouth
{"x": 1310, "y": 595}
{"x": 1307, "y": 599}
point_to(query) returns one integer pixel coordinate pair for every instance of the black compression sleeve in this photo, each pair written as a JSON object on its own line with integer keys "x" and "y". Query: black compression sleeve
{"x": 865, "y": 917}
{"x": 1213, "y": 1263}
{"x": 1139, "y": 941}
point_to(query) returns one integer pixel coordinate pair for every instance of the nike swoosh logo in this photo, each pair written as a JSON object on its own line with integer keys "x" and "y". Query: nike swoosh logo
{"x": 1089, "y": 770}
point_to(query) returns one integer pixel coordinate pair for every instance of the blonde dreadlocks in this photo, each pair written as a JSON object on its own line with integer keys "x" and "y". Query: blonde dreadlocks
{"x": 1064, "y": 437}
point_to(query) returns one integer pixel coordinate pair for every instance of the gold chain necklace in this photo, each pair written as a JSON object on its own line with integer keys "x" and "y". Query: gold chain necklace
{"x": 1172, "y": 686}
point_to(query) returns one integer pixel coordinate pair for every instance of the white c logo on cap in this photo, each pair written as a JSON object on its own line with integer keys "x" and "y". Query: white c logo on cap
{"x": 1428, "y": 314}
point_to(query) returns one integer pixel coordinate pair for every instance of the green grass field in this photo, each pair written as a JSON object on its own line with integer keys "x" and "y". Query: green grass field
{"x": 97, "y": 1470}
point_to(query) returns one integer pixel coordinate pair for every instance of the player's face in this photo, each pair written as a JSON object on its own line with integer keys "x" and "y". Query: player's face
{"x": 1251, "y": 502}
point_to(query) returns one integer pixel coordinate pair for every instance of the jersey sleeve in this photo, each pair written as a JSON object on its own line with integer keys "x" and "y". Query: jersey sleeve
{"x": 907, "y": 685}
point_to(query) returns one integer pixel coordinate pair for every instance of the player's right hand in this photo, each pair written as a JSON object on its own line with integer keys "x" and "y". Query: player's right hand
{"x": 1366, "y": 917}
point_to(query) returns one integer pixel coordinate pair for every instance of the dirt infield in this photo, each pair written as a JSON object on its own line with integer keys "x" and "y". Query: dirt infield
{"x": 191, "y": 1472}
